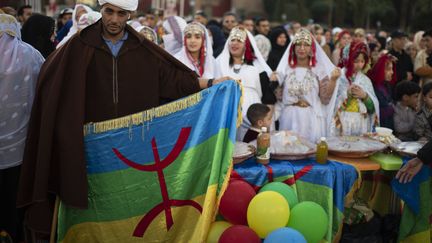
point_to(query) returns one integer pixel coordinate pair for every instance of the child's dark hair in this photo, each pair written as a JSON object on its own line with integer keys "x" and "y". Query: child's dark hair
{"x": 406, "y": 88}
{"x": 427, "y": 88}
{"x": 257, "y": 112}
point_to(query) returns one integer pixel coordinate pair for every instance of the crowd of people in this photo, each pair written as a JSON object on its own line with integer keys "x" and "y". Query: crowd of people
{"x": 315, "y": 81}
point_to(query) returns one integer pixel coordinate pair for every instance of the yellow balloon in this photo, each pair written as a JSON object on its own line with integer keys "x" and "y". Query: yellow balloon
{"x": 216, "y": 230}
{"x": 266, "y": 212}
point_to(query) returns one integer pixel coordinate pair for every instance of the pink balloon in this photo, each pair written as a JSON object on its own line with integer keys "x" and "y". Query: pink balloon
{"x": 239, "y": 234}
{"x": 235, "y": 201}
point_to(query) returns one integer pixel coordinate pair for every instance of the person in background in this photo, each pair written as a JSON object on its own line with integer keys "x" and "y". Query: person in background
{"x": 407, "y": 97}
{"x": 318, "y": 33}
{"x": 38, "y": 31}
{"x": 279, "y": 40}
{"x": 229, "y": 21}
{"x": 262, "y": 26}
{"x": 24, "y": 13}
{"x": 360, "y": 35}
{"x": 423, "y": 123}
{"x": 151, "y": 18}
{"x": 172, "y": 39}
{"x": 412, "y": 167}
{"x": 383, "y": 77}
{"x": 201, "y": 17}
{"x": 64, "y": 16}
{"x": 79, "y": 10}
{"x": 419, "y": 41}
{"x": 218, "y": 38}
{"x": 19, "y": 69}
{"x": 342, "y": 40}
{"x": 248, "y": 23}
{"x": 329, "y": 39}
{"x": 295, "y": 28}
{"x": 423, "y": 62}
{"x": 148, "y": 33}
{"x": 412, "y": 51}
{"x": 404, "y": 66}
{"x": 260, "y": 116}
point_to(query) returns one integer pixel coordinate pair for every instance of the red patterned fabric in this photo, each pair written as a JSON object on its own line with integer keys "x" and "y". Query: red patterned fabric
{"x": 377, "y": 73}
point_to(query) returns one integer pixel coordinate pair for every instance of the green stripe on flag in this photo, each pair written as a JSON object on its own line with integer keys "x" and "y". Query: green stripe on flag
{"x": 127, "y": 193}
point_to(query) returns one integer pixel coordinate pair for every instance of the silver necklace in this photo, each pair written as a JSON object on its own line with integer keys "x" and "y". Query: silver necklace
{"x": 236, "y": 68}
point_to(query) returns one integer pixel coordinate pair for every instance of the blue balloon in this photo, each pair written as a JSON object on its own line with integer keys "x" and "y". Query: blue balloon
{"x": 285, "y": 235}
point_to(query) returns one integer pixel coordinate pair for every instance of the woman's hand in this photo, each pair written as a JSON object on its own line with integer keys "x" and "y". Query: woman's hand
{"x": 335, "y": 74}
{"x": 273, "y": 77}
{"x": 358, "y": 92}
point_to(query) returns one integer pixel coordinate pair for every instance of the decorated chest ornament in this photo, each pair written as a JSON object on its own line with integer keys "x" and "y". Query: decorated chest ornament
{"x": 305, "y": 37}
{"x": 240, "y": 33}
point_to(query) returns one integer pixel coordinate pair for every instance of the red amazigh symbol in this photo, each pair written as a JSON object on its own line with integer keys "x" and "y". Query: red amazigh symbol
{"x": 159, "y": 166}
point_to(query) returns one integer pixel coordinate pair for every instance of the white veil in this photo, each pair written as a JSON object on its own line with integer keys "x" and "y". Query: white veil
{"x": 174, "y": 26}
{"x": 223, "y": 59}
{"x": 209, "y": 63}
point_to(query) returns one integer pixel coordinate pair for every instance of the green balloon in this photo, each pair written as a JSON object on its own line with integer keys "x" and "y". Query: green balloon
{"x": 310, "y": 219}
{"x": 286, "y": 191}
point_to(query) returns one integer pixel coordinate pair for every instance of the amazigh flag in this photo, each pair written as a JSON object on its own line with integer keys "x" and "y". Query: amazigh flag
{"x": 157, "y": 176}
{"x": 416, "y": 222}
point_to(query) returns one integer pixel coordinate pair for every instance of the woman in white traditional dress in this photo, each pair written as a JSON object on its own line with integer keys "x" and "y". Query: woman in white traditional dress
{"x": 197, "y": 51}
{"x": 357, "y": 107}
{"x": 241, "y": 60}
{"x": 308, "y": 78}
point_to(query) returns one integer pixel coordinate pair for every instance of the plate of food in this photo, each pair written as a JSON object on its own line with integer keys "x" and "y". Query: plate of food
{"x": 383, "y": 135}
{"x": 242, "y": 152}
{"x": 354, "y": 146}
{"x": 407, "y": 148}
{"x": 286, "y": 145}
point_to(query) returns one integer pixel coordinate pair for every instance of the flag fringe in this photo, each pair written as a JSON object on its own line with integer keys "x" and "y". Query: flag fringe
{"x": 144, "y": 116}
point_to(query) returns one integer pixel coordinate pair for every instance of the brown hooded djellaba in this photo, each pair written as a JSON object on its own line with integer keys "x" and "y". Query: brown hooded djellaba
{"x": 83, "y": 82}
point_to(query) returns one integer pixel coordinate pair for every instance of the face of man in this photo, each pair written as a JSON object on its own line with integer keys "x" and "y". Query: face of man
{"x": 200, "y": 19}
{"x": 229, "y": 22}
{"x": 398, "y": 43}
{"x": 263, "y": 27}
{"x": 114, "y": 19}
{"x": 248, "y": 24}
{"x": 27, "y": 12}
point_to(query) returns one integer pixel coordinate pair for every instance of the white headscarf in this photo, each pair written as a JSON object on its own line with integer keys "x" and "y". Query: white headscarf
{"x": 322, "y": 69}
{"x": 19, "y": 68}
{"x": 129, "y": 5}
{"x": 88, "y": 19}
{"x": 209, "y": 63}
{"x": 259, "y": 62}
{"x": 174, "y": 27}
{"x": 74, "y": 29}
